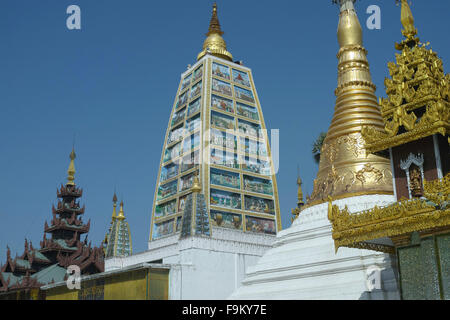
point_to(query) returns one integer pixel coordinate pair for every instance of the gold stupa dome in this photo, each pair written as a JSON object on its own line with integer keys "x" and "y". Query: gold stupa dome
{"x": 214, "y": 43}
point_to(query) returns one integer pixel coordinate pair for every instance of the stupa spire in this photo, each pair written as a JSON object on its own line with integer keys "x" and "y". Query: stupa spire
{"x": 71, "y": 171}
{"x": 214, "y": 43}
{"x": 121, "y": 215}
{"x": 114, "y": 214}
{"x": 345, "y": 168}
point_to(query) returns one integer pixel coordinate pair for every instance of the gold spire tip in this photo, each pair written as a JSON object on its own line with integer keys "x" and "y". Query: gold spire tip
{"x": 121, "y": 215}
{"x": 71, "y": 171}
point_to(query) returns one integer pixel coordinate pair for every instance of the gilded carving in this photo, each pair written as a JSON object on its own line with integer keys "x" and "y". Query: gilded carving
{"x": 430, "y": 212}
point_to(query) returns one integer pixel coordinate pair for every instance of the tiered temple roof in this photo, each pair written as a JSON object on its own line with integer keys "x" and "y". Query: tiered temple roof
{"x": 38, "y": 267}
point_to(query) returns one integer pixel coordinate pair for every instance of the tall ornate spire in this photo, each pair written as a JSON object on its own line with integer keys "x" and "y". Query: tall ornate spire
{"x": 345, "y": 168}
{"x": 214, "y": 43}
{"x": 71, "y": 170}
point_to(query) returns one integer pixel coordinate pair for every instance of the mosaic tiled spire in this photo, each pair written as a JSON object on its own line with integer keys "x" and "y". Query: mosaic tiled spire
{"x": 216, "y": 134}
{"x": 118, "y": 239}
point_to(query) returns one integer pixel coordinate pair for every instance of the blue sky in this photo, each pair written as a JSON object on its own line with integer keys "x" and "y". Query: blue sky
{"x": 113, "y": 84}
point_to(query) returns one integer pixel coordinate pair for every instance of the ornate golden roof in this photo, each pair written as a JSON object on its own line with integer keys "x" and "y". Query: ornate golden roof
{"x": 426, "y": 215}
{"x": 214, "y": 43}
{"x": 345, "y": 168}
{"x": 418, "y": 103}
{"x": 71, "y": 170}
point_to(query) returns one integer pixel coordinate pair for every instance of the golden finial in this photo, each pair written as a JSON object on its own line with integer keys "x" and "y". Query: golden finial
{"x": 121, "y": 215}
{"x": 299, "y": 192}
{"x": 114, "y": 206}
{"x": 196, "y": 184}
{"x": 349, "y": 28}
{"x": 407, "y": 19}
{"x": 214, "y": 43}
{"x": 71, "y": 170}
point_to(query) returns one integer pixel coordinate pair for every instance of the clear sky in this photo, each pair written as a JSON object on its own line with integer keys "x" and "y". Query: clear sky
{"x": 113, "y": 84}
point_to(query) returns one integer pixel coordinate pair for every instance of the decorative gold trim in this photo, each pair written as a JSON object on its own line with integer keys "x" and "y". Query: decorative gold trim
{"x": 398, "y": 219}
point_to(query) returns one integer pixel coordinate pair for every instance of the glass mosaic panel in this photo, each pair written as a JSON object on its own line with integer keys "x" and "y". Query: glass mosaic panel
{"x": 182, "y": 99}
{"x": 194, "y": 107}
{"x": 193, "y": 124}
{"x": 163, "y": 229}
{"x": 198, "y": 73}
{"x": 253, "y": 147}
{"x": 258, "y": 185}
{"x": 223, "y": 139}
{"x": 244, "y": 94}
{"x": 241, "y": 77}
{"x": 225, "y": 199}
{"x": 222, "y": 104}
{"x": 182, "y": 203}
{"x": 178, "y": 117}
{"x": 186, "y": 181}
{"x": 191, "y": 142}
{"x": 165, "y": 209}
{"x": 223, "y": 158}
{"x": 196, "y": 89}
{"x": 169, "y": 172}
{"x": 172, "y": 152}
{"x": 256, "y": 166}
{"x": 249, "y": 128}
{"x": 260, "y": 205}
{"x": 167, "y": 190}
{"x": 176, "y": 134}
{"x": 247, "y": 111}
{"x": 221, "y": 87}
{"x": 220, "y": 70}
{"x": 190, "y": 161}
{"x": 186, "y": 82}
{"x": 225, "y": 178}
{"x": 226, "y": 219}
{"x": 222, "y": 121}
{"x": 260, "y": 225}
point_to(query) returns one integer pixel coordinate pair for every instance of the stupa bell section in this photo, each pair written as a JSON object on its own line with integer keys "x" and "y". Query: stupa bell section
{"x": 217, "y": 132}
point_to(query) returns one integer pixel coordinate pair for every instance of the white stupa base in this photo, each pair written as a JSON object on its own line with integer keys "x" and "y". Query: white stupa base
{"x": 303, "y": 263}
{"x": 205, "y": 268}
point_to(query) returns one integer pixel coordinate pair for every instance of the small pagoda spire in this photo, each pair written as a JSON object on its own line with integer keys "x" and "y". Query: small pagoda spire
{"x": 300, "y": 201}
{"x": 71, "y": 171}
{"x": 114, "y": 214}
{"x": 214, "y": 43}
{"x": 121, "y": 215}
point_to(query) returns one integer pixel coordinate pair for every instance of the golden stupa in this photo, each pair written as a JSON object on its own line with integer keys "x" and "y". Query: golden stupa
{"x": 214, "y": 43}
{"x": 345, "y": 168}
